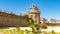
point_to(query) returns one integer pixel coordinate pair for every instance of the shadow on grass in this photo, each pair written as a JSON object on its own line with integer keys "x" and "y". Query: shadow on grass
{"x": 4, "y": 27}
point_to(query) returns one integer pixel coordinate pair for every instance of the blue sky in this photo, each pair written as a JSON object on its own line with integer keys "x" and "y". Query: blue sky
{"x": 48, "y": 8}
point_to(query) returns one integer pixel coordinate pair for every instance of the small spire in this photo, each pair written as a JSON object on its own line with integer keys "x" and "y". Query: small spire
{"x": 21, "y": 13}
{"x": 33, "y": 6}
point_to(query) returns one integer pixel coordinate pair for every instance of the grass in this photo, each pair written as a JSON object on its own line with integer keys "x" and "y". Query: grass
{"x": 14, "y": 31}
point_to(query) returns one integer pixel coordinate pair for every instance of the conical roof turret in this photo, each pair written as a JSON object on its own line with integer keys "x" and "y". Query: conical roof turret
{"x": 33, "y": 9}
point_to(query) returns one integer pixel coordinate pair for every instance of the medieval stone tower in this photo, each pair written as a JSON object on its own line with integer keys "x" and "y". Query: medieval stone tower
{"x": 34, "y": 14}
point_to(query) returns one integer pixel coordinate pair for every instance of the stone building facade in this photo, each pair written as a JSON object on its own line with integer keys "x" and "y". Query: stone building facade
{"x": 53, "y": 21}
{"x": 34, "y": 14}
{"x": 9, "y": 19}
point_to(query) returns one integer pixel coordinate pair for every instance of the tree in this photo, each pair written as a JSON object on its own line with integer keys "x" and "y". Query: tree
{"x": 35, "y": 27}
{"x": 25, "y": 16}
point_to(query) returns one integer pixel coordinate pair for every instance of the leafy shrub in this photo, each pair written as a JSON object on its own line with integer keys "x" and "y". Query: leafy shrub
{"x": 52, "y": 32}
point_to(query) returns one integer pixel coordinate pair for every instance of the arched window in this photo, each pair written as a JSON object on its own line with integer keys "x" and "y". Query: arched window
{"x": 31, "y": 16}
{"x": 35, "y": 15}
